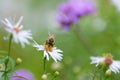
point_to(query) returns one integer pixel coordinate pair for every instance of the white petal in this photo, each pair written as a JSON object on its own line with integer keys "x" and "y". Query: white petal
{"x": 15, "y": 37}
{"x": 96, "y": 60}
{"x": 39, "y": 47}
{"x": 46, "y": 55}
{"x": 115, "y": 66}
{"x": 58, "y": 50}
{"x": 7, "y": 23}
{"x": 19, "y": 21}
{"x": 56, "y": 55}
{"x": 24, "y": 36}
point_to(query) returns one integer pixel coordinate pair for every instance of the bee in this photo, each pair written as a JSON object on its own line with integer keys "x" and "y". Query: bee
{"x": 50, "y": 41}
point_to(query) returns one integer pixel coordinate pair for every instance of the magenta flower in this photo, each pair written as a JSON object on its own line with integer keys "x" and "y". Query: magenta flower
{"x": 21, "y": 74}
{"x": 70, "y": 12}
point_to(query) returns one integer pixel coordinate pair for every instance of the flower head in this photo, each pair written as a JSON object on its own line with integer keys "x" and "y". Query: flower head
{"x": 49, "y": 49}
{"x": 70, "y": 12}
{"x": 19, "y": 35}
{"x": 21, "y": 74}
{"x": 107, "y": 59}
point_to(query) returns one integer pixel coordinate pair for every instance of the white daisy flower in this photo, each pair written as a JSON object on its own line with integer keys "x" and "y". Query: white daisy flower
{"x": 49, "y": 50}
{"x": 114, "y": 65}
{"x": 19, "y": 35}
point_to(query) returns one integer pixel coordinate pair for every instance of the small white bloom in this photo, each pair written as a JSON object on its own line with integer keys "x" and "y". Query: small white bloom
{"x": 114, "y": 65}
{"x": 19, "y": 36}
{"x": 116, "y": 3}
{"x": 52, "y": 51}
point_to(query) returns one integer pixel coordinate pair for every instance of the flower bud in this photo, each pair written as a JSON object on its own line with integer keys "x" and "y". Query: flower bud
{"x": 102, "y": 63}
{"x": 108, "y": 72}
{"x": 57, "y": 73}
{"x": 56, "y": 66}
{"x": 44, "y": 77}
{"x": 18, "y": 60}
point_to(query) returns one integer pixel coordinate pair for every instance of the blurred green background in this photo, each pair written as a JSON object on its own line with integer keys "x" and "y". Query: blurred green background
{"x": 100, "y": 33}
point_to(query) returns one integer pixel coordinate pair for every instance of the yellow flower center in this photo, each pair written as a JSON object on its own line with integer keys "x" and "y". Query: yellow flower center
{"x": 17, "y": 29}
{"x": 48, "y": 48}
{"x": 108, "y": 59}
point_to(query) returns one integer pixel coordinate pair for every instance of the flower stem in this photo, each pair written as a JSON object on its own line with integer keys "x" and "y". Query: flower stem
{"x": 82, "y": 39}
{"x": 8, "y": 55}
{"x": 94, "y": 76}
{"x": 44, "y": 65}
{"x": 54, "y": 77}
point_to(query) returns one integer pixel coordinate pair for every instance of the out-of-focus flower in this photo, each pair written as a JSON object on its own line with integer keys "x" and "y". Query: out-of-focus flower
{"x": 107, "y": 60}
{"x": 76, "y": 69}
{"x": 49, "y": 49}
{"x": 56, "y": 66}
{"x": 21, "y": 74}
{"x": 116, "y": 3}
{"x": 68, "y": 60}
{"x": 70, "y": 12}
{"x": 19, "y": 35}
{"x": 44, "y": 77}
{"x": 99, "y": 24}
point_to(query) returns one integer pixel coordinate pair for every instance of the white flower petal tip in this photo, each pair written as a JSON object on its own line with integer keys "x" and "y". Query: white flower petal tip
{"x": 19, "y": 35}
{"x": 115, "y": 67}
{"x": 96, "y": 60}
{"x": 37, "y": 46}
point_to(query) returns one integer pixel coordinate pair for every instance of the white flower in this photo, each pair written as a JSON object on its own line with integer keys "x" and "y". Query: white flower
{"x": 114, "y": 65}
{"x": 116, "y": 3}
{"x": 52, "y": 51}
{"x": 19, "y": 36}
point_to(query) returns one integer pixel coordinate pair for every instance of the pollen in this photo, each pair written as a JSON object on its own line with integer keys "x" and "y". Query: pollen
{"x": 17, "y": 29}
{"x": 48, "y": 48}
{"x": 108, "y": 59}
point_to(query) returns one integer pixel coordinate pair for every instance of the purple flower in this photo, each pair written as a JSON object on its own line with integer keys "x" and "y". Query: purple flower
{"x": 66, "y": 21}
{"x": 21, "y": 74}
{"x": 70, "y": 12}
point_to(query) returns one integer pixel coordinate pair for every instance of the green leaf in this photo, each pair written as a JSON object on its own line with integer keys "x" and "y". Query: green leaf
{"x": 12, "y": 63}
{"x": 2, "y": 51}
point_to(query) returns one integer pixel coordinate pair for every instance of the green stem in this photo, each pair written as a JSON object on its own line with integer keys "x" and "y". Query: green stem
{"x": 54, "y": 77}
{"x": 95, "y": 73}
{"x": 8, "y": 55}
{"x": 44, "y": 65}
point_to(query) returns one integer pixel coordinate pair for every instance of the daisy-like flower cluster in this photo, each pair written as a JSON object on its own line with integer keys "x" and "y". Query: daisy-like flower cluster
{"x": 107, "y": 59}
{"x": 70, "y": 12}
{"x": 19, "y": 35}
{"x": 49, "y": 49}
